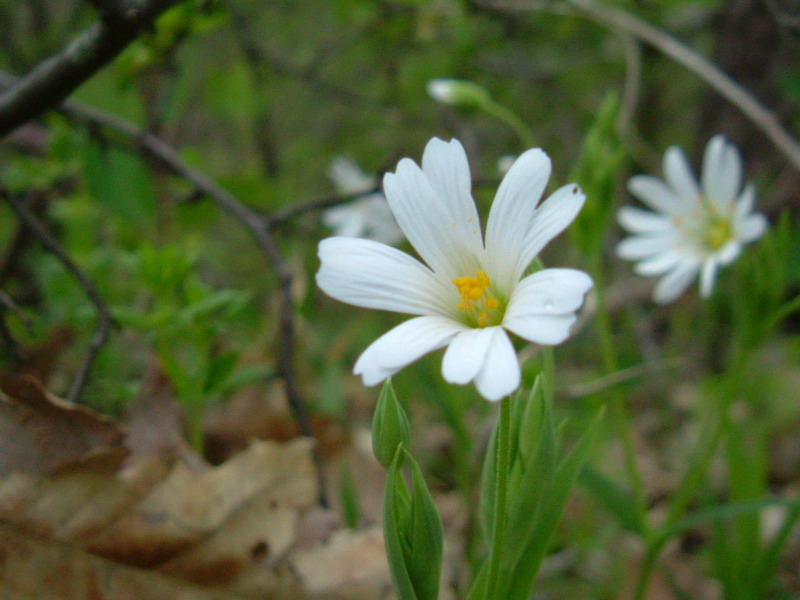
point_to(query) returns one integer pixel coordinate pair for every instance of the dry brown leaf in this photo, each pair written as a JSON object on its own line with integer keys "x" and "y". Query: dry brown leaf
{"x": 40, "y": 433}
{"x": 352, "y": 566}
{"x": 83, "y": 519}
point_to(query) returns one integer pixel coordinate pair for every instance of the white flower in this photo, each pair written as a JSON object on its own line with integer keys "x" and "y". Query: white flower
{"x": 471, "y": 290}
{"x": 695, "y": 229}
{"x": 368, "y": 216}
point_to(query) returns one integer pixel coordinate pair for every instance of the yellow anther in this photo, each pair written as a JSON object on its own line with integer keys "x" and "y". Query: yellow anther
{"x": 474, "y": 293}
{"x": 476, "y": 299}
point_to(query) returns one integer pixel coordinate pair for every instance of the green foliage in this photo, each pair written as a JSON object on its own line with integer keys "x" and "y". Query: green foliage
{"x": 540, "y": 480}
{"x": 412, "y": 532}
{"x": 348, "y": 496}
{"x": 596, "y": 171}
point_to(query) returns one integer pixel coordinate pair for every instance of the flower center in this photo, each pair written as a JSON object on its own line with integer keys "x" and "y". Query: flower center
{"x": 718, "y": 232}
{"x": 477, "y": 301}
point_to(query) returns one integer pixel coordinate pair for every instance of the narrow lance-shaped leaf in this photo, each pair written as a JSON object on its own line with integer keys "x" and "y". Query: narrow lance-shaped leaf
{"x": 412, "y": 533}
{"x": 524, "y": 571}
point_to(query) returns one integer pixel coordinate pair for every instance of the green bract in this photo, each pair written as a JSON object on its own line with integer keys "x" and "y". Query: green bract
{"x": 390, "y": 426}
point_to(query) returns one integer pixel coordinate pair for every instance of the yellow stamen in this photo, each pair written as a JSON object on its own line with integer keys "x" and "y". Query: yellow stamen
{"x": 718, "y": 232}
{"x": 476, "y": 299}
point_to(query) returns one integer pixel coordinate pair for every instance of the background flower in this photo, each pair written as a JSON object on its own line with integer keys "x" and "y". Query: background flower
{"x": 693, "y": 229}
{"x": 366, "y": 217}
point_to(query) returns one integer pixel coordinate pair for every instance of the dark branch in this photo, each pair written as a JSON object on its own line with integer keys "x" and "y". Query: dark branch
{"x": 104, "y": 319}
{"x": 255, "y": 223}
{"x": 49, "y": 83}
{"x": 295, "y": 210}
{"x": 8, "y": 305}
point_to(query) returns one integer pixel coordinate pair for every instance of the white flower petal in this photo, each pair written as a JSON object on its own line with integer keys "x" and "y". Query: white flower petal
{"x": 752, "y": 228}
{"x": 658, "y": 263}
{"x": 674, "y": 283}
{"x": 637, "y": 247}
{"x": 423, "y": 216}
{"x": 707, "y": 274}
{"x": 447, "y": 169}
{"x": 512, "y": 213}
{"x": 637, "y": 220}
{"x": 656, "y": 194}
{"x": 729, "y": 252}
{"x": 746, "y": 201}
{"x": 500, "y": 374}
{"x": 403, "y": 345}
{"x": 345, "y": 220}
{"x": 466, "y": 354}
{"x": 551, "y": 218}
{"x": 372, "y": 275}
{"x": 543, "y": 306}
{"x": 722, "y": 172}
{"x": 348, "y": 177}
{"x": 679, "y": 175}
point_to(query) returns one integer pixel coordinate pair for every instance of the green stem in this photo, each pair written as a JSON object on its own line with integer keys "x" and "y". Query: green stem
{"x": 780, "y": 314}
{"x": 708, "y": 441}
{"x": 619, "y": 409}
{"x": 501, "y": 492}
{"x": 512, "y": 120}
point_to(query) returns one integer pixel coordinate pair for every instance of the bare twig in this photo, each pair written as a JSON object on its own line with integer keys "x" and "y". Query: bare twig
{"x": 618, "y": 19}
{"x": 295, "y": 210}
{"x": 7, "y": 304}
{"x": 104, "y": 319}
{"x": 55, "y": 78}
{"x": 758, "y": 114}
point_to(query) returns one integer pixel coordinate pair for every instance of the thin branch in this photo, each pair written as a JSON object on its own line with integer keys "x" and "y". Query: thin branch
{"x": 323, "y": 202}
{"x": 7, "y": 304}
{"x": 104, "y": 319}
{"x": 615, "y": 18}
{"x": 760, "y": 116}
{"x": 256, "y": 225}
{"x": 50, "y": 82}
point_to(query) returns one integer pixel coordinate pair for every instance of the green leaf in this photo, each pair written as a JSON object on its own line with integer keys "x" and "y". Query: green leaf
{"x": 390, "y": 426}
{"x": 426, "y": 538}
{"x": 348, "y": 495}
{"x": 551, "y": 498}
{"x": 220, "y": 368}
{"x": 612, "y": 497}
{"x": 412, "y": 533}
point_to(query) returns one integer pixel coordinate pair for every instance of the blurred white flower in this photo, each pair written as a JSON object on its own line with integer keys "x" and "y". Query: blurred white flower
{"x": 471, "y": 289}
{"x": 694, "y": 229}
{"x": 366, "y": 217}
